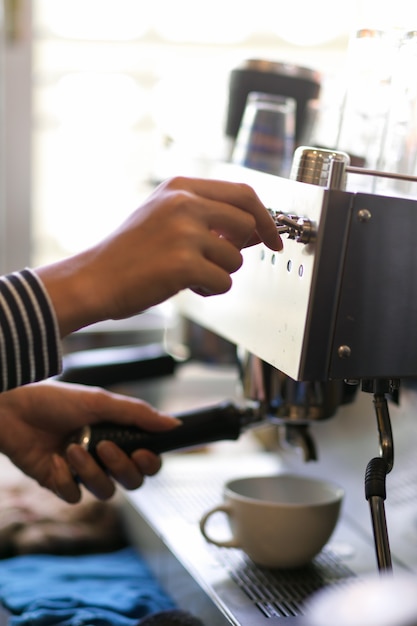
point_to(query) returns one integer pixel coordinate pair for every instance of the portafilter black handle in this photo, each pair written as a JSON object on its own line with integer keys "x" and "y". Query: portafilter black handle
{"x": 223, "y": 421}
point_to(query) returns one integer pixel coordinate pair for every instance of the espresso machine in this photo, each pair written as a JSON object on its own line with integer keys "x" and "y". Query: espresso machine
{"x": 335, "y": 309}
{"x": 332, "y": 313}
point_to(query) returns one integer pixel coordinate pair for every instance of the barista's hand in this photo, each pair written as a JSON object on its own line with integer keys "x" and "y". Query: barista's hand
{"x": 189, "y": 233}
{"x": 37, "y": 421}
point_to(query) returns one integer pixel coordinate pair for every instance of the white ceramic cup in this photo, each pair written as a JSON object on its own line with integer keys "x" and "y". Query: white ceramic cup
{"x": 280, "y": 521}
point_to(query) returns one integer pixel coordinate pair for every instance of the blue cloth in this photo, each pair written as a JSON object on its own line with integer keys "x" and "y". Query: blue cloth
{"x": 112, "y": 589}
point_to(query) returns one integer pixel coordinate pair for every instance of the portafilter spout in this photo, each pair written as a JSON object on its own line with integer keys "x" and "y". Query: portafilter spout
{"x": 292, "y": 404}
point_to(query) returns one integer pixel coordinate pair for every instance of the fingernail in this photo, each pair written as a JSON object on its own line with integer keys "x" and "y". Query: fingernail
{"x": 146, "y": 465}
{"x": 107, "y": 453}
{"x": 58, "y": 464}
{"x": 76, "y": 454}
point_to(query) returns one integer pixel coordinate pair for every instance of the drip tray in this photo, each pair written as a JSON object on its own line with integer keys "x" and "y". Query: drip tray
{"x": 282, "y": 593}
{"x": 169, "y": 507}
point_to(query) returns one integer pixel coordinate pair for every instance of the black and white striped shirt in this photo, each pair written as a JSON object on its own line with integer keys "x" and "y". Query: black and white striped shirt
{"x": 30, "y": 344}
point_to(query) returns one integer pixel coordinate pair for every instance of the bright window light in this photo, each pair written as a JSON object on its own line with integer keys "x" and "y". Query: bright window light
{"x": 115, "y": 81}
{"x": 113, "y": 20}
{"x": 95, "y": 99}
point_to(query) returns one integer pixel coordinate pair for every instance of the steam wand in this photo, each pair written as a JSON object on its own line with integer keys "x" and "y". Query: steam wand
{"x": 378, "y": 468}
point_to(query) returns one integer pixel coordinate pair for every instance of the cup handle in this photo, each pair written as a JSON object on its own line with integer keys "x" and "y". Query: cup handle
{"x": 227, "y": 543}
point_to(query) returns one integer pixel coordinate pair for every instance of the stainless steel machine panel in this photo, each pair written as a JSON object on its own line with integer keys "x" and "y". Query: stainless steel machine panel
{"x": 377, "y": 309}
{"x": 341, "y": 307}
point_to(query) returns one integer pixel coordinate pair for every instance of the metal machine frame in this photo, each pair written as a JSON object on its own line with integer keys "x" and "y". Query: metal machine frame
{"x": 341, "y": 307}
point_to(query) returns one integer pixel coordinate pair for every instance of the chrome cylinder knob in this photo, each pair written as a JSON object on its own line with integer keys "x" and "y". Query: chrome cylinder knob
{"x": 317, "y": 166}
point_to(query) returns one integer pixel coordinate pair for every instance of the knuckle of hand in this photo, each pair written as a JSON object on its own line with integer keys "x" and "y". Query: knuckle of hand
{"x": 182, "y": 207}
{"x": 248, "y": 191}
{"x": 95, "y": 398}
{"x": 184, "y": 263}
{"x": 175, "y": 182}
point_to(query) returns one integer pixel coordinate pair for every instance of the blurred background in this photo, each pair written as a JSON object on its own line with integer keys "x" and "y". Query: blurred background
{"x": 103, "y": 98}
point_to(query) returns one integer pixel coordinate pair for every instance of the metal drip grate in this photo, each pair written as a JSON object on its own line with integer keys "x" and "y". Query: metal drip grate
{"x": 282, "y": 593}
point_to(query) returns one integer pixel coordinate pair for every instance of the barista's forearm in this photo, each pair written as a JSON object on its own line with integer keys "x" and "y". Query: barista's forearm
{"x": 74, "y": 293}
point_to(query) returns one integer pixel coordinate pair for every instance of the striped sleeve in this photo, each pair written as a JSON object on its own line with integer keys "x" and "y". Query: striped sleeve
{"x": 30, "y": 344}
